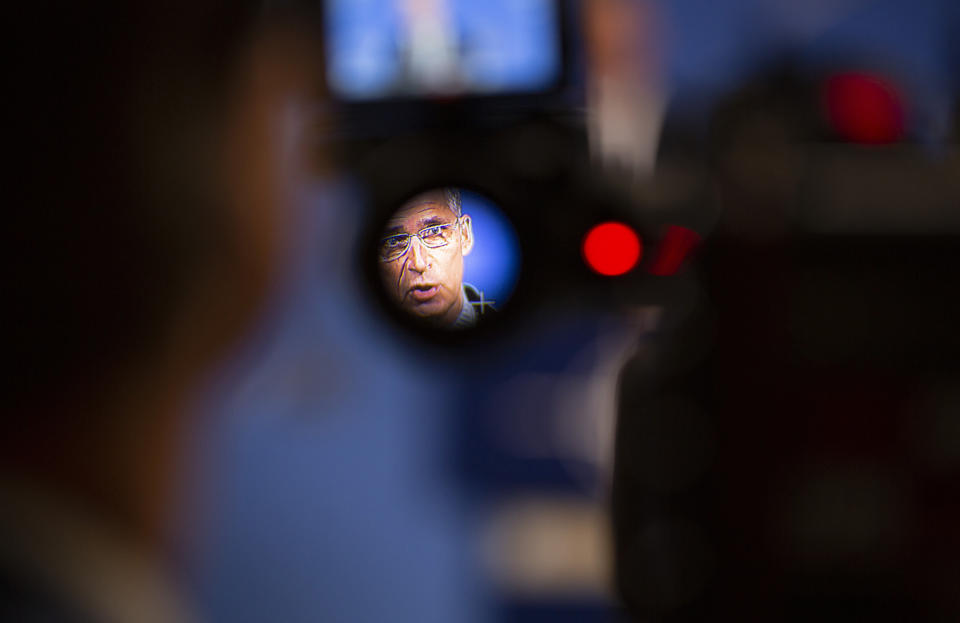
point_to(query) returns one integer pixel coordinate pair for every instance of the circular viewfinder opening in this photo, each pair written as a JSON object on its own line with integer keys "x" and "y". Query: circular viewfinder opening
{"x": 449, "y": 259}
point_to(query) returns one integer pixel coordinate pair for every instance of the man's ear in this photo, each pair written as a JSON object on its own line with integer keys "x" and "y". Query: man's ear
{"x": 466, "y": 234}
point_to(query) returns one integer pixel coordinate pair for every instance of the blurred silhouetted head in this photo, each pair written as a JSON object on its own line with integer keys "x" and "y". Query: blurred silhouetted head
{"x": 147, "y": 191}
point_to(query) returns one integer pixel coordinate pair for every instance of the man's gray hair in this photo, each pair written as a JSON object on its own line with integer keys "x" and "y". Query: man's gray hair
{"x": 454, "y": 200}
{"x": 448, "y": 196}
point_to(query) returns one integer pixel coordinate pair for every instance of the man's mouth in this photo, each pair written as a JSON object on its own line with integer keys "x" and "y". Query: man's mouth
{"x": 423, "y": 293}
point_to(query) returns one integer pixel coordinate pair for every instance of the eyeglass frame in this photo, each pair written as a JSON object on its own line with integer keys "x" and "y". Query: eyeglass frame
{"x": 458, "y": 222}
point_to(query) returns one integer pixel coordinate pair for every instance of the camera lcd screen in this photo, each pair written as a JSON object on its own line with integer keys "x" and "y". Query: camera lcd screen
{"x": 380, "y": 49}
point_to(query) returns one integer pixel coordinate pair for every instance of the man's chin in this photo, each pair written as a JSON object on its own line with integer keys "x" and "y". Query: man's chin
{"x": 432, "y": 311}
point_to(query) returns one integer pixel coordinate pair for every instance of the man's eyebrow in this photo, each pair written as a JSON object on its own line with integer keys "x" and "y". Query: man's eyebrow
{"x": 431, "y": 221}
{"x": 391, "y": 231}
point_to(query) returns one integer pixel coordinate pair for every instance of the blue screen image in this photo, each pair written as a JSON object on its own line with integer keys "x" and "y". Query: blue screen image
{"x": 493, "y": 266}
{"x": 387, "y": 48}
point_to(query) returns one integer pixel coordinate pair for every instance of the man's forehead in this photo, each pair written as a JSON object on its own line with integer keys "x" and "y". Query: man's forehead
{"x": 420, "y": 212}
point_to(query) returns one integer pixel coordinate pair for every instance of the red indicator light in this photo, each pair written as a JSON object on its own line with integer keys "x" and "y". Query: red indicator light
{"x": 864, "y": 108}
{"x": 675, "y": 247}
{"x": 611, "y": 249}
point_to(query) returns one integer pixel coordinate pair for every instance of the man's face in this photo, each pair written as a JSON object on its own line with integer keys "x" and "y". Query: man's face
{"x": 424, "y": 281}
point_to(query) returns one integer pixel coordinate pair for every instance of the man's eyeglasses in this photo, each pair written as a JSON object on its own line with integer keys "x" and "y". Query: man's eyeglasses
{"x": 392, "y": 247}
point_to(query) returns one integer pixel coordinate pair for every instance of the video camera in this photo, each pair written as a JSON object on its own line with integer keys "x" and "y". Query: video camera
{"x": 489, "y": 98}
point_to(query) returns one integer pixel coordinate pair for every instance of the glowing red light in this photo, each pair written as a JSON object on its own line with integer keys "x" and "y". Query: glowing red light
{"x": 675, "y": 247}
{"x": 612, "y": 249}
{"x": 864, "y": 108}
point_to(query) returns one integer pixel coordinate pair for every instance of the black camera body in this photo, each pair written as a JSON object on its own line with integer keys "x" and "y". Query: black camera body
{"x": 528, "y": 152}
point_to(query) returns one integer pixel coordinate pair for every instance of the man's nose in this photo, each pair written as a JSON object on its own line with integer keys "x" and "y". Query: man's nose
{"x": 418, "y": 256}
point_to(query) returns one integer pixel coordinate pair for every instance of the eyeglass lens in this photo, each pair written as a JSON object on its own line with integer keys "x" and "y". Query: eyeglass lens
{"x": 393, "y": 247}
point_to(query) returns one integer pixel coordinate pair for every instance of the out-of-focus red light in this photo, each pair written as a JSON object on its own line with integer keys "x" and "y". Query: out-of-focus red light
{"x": 612, "y": 249}
{"x": 863, "y": 108}
{"x": 675, "y": 247}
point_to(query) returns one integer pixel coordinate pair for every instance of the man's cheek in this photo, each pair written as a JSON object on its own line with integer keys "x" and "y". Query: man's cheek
{"x": 390, "y": 282}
